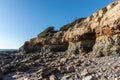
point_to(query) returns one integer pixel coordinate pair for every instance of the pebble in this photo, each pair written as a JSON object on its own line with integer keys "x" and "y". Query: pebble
{"x": 52, "y": 77}
{"x": 84, "y": 72}
{"x": 87, "y": 78}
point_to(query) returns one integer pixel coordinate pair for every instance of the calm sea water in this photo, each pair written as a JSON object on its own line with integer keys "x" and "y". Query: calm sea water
{"x": 8, "y": 49}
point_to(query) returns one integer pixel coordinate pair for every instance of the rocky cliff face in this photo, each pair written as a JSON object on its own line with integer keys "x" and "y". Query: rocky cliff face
{"x": 97, "y": 34}
{"x": 86, "y": 49}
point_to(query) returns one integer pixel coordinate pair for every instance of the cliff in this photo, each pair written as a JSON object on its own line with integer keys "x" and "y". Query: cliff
{"x": 97, "y": 35}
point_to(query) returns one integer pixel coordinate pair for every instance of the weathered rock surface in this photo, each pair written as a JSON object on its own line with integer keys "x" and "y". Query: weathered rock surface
{"x": 98, "y": 33}
{"x": 86, "y": 49}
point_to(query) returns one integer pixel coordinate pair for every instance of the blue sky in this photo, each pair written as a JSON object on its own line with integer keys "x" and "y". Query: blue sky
{"x": 21, "y": 20}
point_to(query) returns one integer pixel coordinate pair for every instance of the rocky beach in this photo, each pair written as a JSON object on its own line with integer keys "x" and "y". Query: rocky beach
{"x": 85, "y": 49}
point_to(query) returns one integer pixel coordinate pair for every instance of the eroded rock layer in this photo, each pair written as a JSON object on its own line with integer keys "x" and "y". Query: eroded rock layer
{"x": 98, "y": 33}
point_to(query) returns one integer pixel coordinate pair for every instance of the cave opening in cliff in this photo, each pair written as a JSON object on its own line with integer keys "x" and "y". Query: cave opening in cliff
{"x": 88, "y": 41}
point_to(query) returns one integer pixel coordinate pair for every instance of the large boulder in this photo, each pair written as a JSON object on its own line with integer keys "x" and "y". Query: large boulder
{"x": 107, "y": 45}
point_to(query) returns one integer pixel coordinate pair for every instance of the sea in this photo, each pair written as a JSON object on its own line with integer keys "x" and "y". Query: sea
{"x": 8, "y": 49}
{"x": 4, "y": 51}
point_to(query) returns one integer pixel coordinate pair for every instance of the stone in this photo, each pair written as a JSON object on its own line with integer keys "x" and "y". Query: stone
{"x": 16, "y": 76}
{"x": 52, "y": 77}
{"x": 84, "y": 72}
{"x": 63, "y": 60}
{"x": 70, "y": 68}
{"x": 48, "y": 71}
{"x": 87, "y": 78}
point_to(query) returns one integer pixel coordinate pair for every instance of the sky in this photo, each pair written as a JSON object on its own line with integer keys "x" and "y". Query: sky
{"x": 21, "y": 20}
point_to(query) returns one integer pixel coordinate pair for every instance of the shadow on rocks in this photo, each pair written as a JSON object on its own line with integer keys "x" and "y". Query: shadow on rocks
{"x": 1, "y": 75}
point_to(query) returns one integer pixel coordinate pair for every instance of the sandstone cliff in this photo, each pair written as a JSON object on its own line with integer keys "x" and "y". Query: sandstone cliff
{"x": 97, "y": 35}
